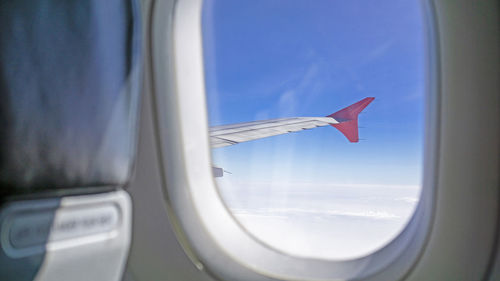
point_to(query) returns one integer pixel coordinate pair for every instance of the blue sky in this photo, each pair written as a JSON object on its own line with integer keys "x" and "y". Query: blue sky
{"x": 269, "y": 59}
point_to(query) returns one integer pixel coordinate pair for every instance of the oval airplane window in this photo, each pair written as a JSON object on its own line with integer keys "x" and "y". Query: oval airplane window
{"x": 316, "y": 120}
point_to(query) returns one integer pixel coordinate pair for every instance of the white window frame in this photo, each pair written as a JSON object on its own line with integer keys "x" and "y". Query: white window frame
{"x": 209, "y": 233}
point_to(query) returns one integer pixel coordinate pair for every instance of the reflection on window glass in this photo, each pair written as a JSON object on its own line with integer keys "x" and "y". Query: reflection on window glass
{"x": 316, "y": 193}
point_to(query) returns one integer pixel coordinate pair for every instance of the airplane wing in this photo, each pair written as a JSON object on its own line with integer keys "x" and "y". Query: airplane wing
{"x": 235, "y": 133}
{"x": 345, "y": 120}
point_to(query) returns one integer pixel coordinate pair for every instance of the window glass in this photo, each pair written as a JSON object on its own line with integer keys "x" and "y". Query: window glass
{"x": 319, "y": 192}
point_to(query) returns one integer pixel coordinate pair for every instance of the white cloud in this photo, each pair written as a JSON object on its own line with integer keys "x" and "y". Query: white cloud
{"x": 291, "y": 212}
{"x": 379, "y": 51}
{"x": 411, "y": 200}
{"x": 305, "y": 85}
{"x": 288, "y": 101}
{"x": 332, "y": 221}
{"x": 313, "y": 234}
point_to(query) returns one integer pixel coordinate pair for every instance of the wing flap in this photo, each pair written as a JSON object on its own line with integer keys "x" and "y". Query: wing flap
{"x": 232, "y": 134}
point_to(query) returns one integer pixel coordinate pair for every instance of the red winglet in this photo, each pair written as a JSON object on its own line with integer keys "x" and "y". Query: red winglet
{"x": 348, "y": 119}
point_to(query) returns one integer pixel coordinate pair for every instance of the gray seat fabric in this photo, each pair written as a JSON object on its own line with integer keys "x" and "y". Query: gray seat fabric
{"x": 69, "y": 87}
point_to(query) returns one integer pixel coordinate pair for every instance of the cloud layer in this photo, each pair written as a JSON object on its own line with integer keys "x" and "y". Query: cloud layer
{"x": 328, "y": 221}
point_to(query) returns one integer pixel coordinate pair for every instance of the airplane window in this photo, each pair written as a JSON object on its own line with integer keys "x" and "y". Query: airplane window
{"x": 316, "y": 120}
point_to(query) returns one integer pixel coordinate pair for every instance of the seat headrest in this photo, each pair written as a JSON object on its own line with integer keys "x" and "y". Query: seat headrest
{"x": 69, "y": 92}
